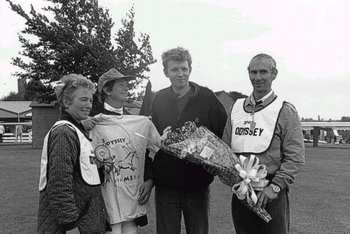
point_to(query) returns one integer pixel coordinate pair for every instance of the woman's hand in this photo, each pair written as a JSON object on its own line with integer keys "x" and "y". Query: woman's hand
{"x": 145, "y": 192}
{"x": 89, "y": 123}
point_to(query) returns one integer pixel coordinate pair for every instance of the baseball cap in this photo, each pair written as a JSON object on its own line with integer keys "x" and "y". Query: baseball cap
{"x": 111, "y": 74}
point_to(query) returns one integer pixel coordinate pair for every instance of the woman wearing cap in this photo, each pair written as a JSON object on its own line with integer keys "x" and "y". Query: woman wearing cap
{"x": 127, "y": 185}
{"x": 70, "y": 192}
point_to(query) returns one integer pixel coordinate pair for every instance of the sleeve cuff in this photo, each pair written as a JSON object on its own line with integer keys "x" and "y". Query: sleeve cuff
{"x": 70, "y": 226}
{"x": 279, "y": 182}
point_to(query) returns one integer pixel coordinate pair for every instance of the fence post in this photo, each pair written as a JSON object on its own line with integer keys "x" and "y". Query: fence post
{"x": 44, "y": 115}
{"x": 316, "y": 135}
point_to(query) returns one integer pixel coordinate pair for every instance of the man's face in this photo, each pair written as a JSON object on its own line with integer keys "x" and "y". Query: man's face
{"x": 178, "y": 73}
{"x": 261, "y": 75}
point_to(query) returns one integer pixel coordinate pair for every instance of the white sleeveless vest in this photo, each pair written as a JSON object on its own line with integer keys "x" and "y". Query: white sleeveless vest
{"x": 88, "y": 170}
{"x": 256, "y": 140}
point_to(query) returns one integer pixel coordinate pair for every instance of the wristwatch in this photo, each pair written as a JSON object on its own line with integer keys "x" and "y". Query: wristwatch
{"x": 275, "y": 188}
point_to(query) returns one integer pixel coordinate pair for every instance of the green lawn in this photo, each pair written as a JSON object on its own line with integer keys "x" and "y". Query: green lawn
{"x": 320, "y": 200}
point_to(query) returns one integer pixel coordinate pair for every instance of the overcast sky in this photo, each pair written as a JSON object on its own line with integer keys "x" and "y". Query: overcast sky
{"x": 310, "y": 40}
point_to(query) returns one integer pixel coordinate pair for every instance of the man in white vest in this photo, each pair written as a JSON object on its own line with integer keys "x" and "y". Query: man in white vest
{"x": 265, "y": 125}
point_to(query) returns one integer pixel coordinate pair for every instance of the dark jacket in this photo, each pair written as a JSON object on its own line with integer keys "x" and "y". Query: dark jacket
{"x": 202, "y": 105}
{"x": 67, "y": 201}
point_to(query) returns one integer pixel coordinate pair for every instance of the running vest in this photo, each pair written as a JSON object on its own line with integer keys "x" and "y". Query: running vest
{"x": 89, "y": 171}
{"x": 256, "y": 140}
{"x": 124, "y": 138}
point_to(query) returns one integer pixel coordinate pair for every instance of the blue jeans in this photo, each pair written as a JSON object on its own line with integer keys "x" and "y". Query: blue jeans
{"x": 247, "y": 222}
{"x": 172, "y": 203}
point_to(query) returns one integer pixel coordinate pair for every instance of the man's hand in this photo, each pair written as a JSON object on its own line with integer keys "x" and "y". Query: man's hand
{"x": 211, "y": 170}
{"x": 89, "y": 123}
{"x": 166, "y": 131}
{"x": 266, "y": 196}
{"x": 145, "y": 192}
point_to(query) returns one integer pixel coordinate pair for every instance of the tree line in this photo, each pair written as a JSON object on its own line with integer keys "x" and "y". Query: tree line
{"x": 75, "y": 36}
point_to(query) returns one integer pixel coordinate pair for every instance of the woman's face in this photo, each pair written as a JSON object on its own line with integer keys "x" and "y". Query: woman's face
{"x": 80, "y": 104}
{"x": 119, "y": 91}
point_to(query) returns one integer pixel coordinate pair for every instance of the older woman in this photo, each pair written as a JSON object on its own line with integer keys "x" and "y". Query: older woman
{"x": 70, "y": 193}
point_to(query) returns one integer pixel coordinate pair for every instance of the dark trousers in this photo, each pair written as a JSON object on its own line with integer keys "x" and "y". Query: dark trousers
{"x": 247, "y": 222}
{"x": 172, "y": 203}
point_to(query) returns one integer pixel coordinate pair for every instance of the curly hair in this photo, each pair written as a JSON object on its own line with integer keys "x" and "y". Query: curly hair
{"x": 176, "y": 54}
{"x": 68, "y": 84}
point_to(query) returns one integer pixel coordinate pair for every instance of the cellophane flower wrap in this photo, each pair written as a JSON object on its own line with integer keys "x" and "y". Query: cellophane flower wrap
{"x": 199, "y": 145}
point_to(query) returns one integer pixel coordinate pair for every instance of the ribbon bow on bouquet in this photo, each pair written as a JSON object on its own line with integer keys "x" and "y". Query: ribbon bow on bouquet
{"x": 253, "y": 178}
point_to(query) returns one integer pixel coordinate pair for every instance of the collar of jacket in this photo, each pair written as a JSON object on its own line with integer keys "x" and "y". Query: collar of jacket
{"x": 248, "y": 102}
{"x": 107, "y": 112}
{"x": 193, "y": 85}
{"x": 66, "y": 116}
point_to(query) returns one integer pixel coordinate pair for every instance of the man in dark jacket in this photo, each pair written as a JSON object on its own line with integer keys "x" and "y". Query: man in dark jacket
{"x": 183, "y": 187}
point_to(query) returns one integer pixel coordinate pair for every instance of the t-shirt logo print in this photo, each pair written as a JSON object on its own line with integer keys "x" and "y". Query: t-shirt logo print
{"x": 127, "y": 161}
{"x": 117, "y": 155}
{"x": 102, "y": 153}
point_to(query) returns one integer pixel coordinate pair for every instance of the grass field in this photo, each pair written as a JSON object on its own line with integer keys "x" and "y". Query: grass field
{"x": 320, "y": 199}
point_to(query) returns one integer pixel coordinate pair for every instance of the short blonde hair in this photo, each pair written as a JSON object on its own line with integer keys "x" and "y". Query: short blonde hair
{"x": 68, "y": 84}
{"x": 177, "y": 54}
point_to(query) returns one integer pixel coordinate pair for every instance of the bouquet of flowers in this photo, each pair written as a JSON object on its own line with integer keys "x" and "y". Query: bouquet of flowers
{"x": 199, "y": 145}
